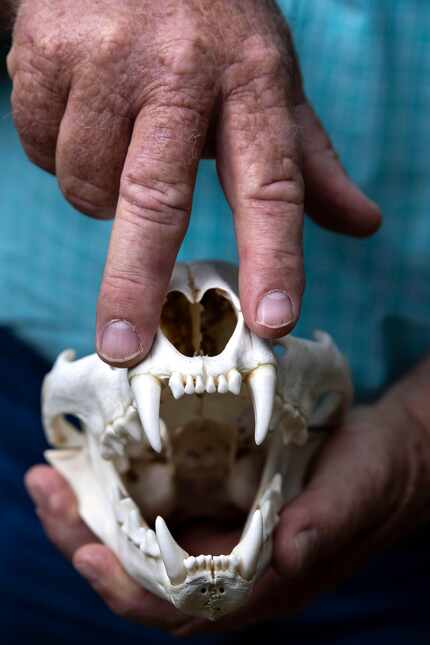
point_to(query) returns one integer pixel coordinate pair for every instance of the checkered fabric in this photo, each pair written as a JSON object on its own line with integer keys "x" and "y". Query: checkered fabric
{"x": 365, "y": 66}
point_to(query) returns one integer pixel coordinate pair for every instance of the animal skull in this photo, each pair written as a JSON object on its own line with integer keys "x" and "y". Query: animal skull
{"x": 210, "y": 420}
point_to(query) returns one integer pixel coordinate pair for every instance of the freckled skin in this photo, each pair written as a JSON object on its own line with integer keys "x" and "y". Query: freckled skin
{"x": 121, "y": 100}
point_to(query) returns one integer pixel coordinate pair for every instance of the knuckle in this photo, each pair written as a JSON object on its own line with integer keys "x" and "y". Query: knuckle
{"x": 186, "y": 56}
{"x": 155, "y": 201}
{"x": 112, "y": 44}
{"x": 265, "y": 56}
{"x": 87, "y": 197}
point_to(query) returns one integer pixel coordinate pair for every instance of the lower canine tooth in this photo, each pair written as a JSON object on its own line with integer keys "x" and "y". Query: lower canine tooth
{"x": 172, "y": 554}
{"x": 176, "y": 385}
{"x": 249, "y": 548}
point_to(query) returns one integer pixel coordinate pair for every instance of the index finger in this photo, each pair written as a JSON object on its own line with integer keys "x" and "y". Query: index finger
{"x": 152, "y": 217}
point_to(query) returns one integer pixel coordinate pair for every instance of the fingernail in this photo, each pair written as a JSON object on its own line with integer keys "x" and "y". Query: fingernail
{"x": 119, "y": 341}
{"x": 87, "y": 570}
{"x": 275, "y": 309}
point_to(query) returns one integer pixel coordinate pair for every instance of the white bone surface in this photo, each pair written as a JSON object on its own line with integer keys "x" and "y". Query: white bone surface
{"x": 186, "y": 435}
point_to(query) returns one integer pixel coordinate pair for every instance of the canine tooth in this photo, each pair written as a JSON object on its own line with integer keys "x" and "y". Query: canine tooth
{"x": 234, "y": 381}
{"x": 151, "y": 546}
{"x": 249, "y": 548}
{"x": 172, "y": 554}
{"x": 222, "y": 384}
{"x": 147, "y": 391}
{"x": 200, "y": 386}
{"x": 210, "y": 385}
{"x": 189, "y": 385}
{"x": 262, "y": 384}
{"x": 176, "y": 385}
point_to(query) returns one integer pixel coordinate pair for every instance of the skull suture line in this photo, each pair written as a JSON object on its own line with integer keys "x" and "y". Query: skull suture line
{"x": 210, "y": 421}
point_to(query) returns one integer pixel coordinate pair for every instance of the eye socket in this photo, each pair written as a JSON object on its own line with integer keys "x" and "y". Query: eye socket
{"x": 203, "y": 590}
{"x": 202, "y": 328}
{"x": 221, "y": 590}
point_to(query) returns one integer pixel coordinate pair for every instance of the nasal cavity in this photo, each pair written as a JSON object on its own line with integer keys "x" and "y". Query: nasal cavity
{"x": 201, "y": 328}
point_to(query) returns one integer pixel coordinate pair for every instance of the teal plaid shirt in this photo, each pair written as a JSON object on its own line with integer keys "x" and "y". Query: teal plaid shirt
{"x": 365, "y": 66}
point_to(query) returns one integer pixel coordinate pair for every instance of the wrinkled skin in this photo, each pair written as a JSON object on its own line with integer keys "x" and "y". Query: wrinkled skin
{"x": 122, "y": 99}
{"x": 369, "y": 486}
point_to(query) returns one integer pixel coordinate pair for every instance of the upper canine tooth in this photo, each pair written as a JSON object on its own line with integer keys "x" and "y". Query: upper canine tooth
{"x": 222, "y": 384}
{"x": 172, "y": 554}
{"x": 210, "y": 385}
{"x": 262, "y": 385}
{"x": 176, "y": 385}
{"x": 147, "y": 392}
{"x": 189, "y": 385}
{"x": 234, "y": 381}
{"x": 249, "y": 548}
{"x": 200, "y": 386}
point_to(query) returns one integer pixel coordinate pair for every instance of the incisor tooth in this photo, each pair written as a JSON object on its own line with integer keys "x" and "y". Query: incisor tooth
{"x": 189, "y": 385}
{"x": 222, "y": 384}
{"x": 234, "y": 381}
{"x": 200, "y": 386}
{"x": 249, "y": 548}
{"x": 147, "y": 392}
{"x": 176, "y": 385}
{"x": 262, "y": 385}
{"x": 172, "y": 554}
{"x": 210, "y": 385}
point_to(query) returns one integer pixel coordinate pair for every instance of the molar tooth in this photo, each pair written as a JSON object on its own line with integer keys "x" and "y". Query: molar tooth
{"x": 176, "y": 385}
{"x": 190, "y": 563}
{"x": 132, "y": 524}
{"x": 147, "y": 391}
{"x": 200, "y": 386}
{"x": 189, "y": 385}
{"x": 249, "y": 548}
{"x": 262, "y": 385}
{"x": 172, "y": 554}
{"x": 210, "y": 385}
{"x": 234, "y": 381}
{"x": 222, "y": 384}
{"x": 201, "y": 561}
{"x": 151, "y": 546}
{"x": 139, "y": 537}
{"x": 124, "y": 508}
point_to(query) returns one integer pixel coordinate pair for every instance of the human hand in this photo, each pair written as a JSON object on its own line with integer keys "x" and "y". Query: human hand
{"x": 121, "y": 100}
{"x": 368, "y": 487}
